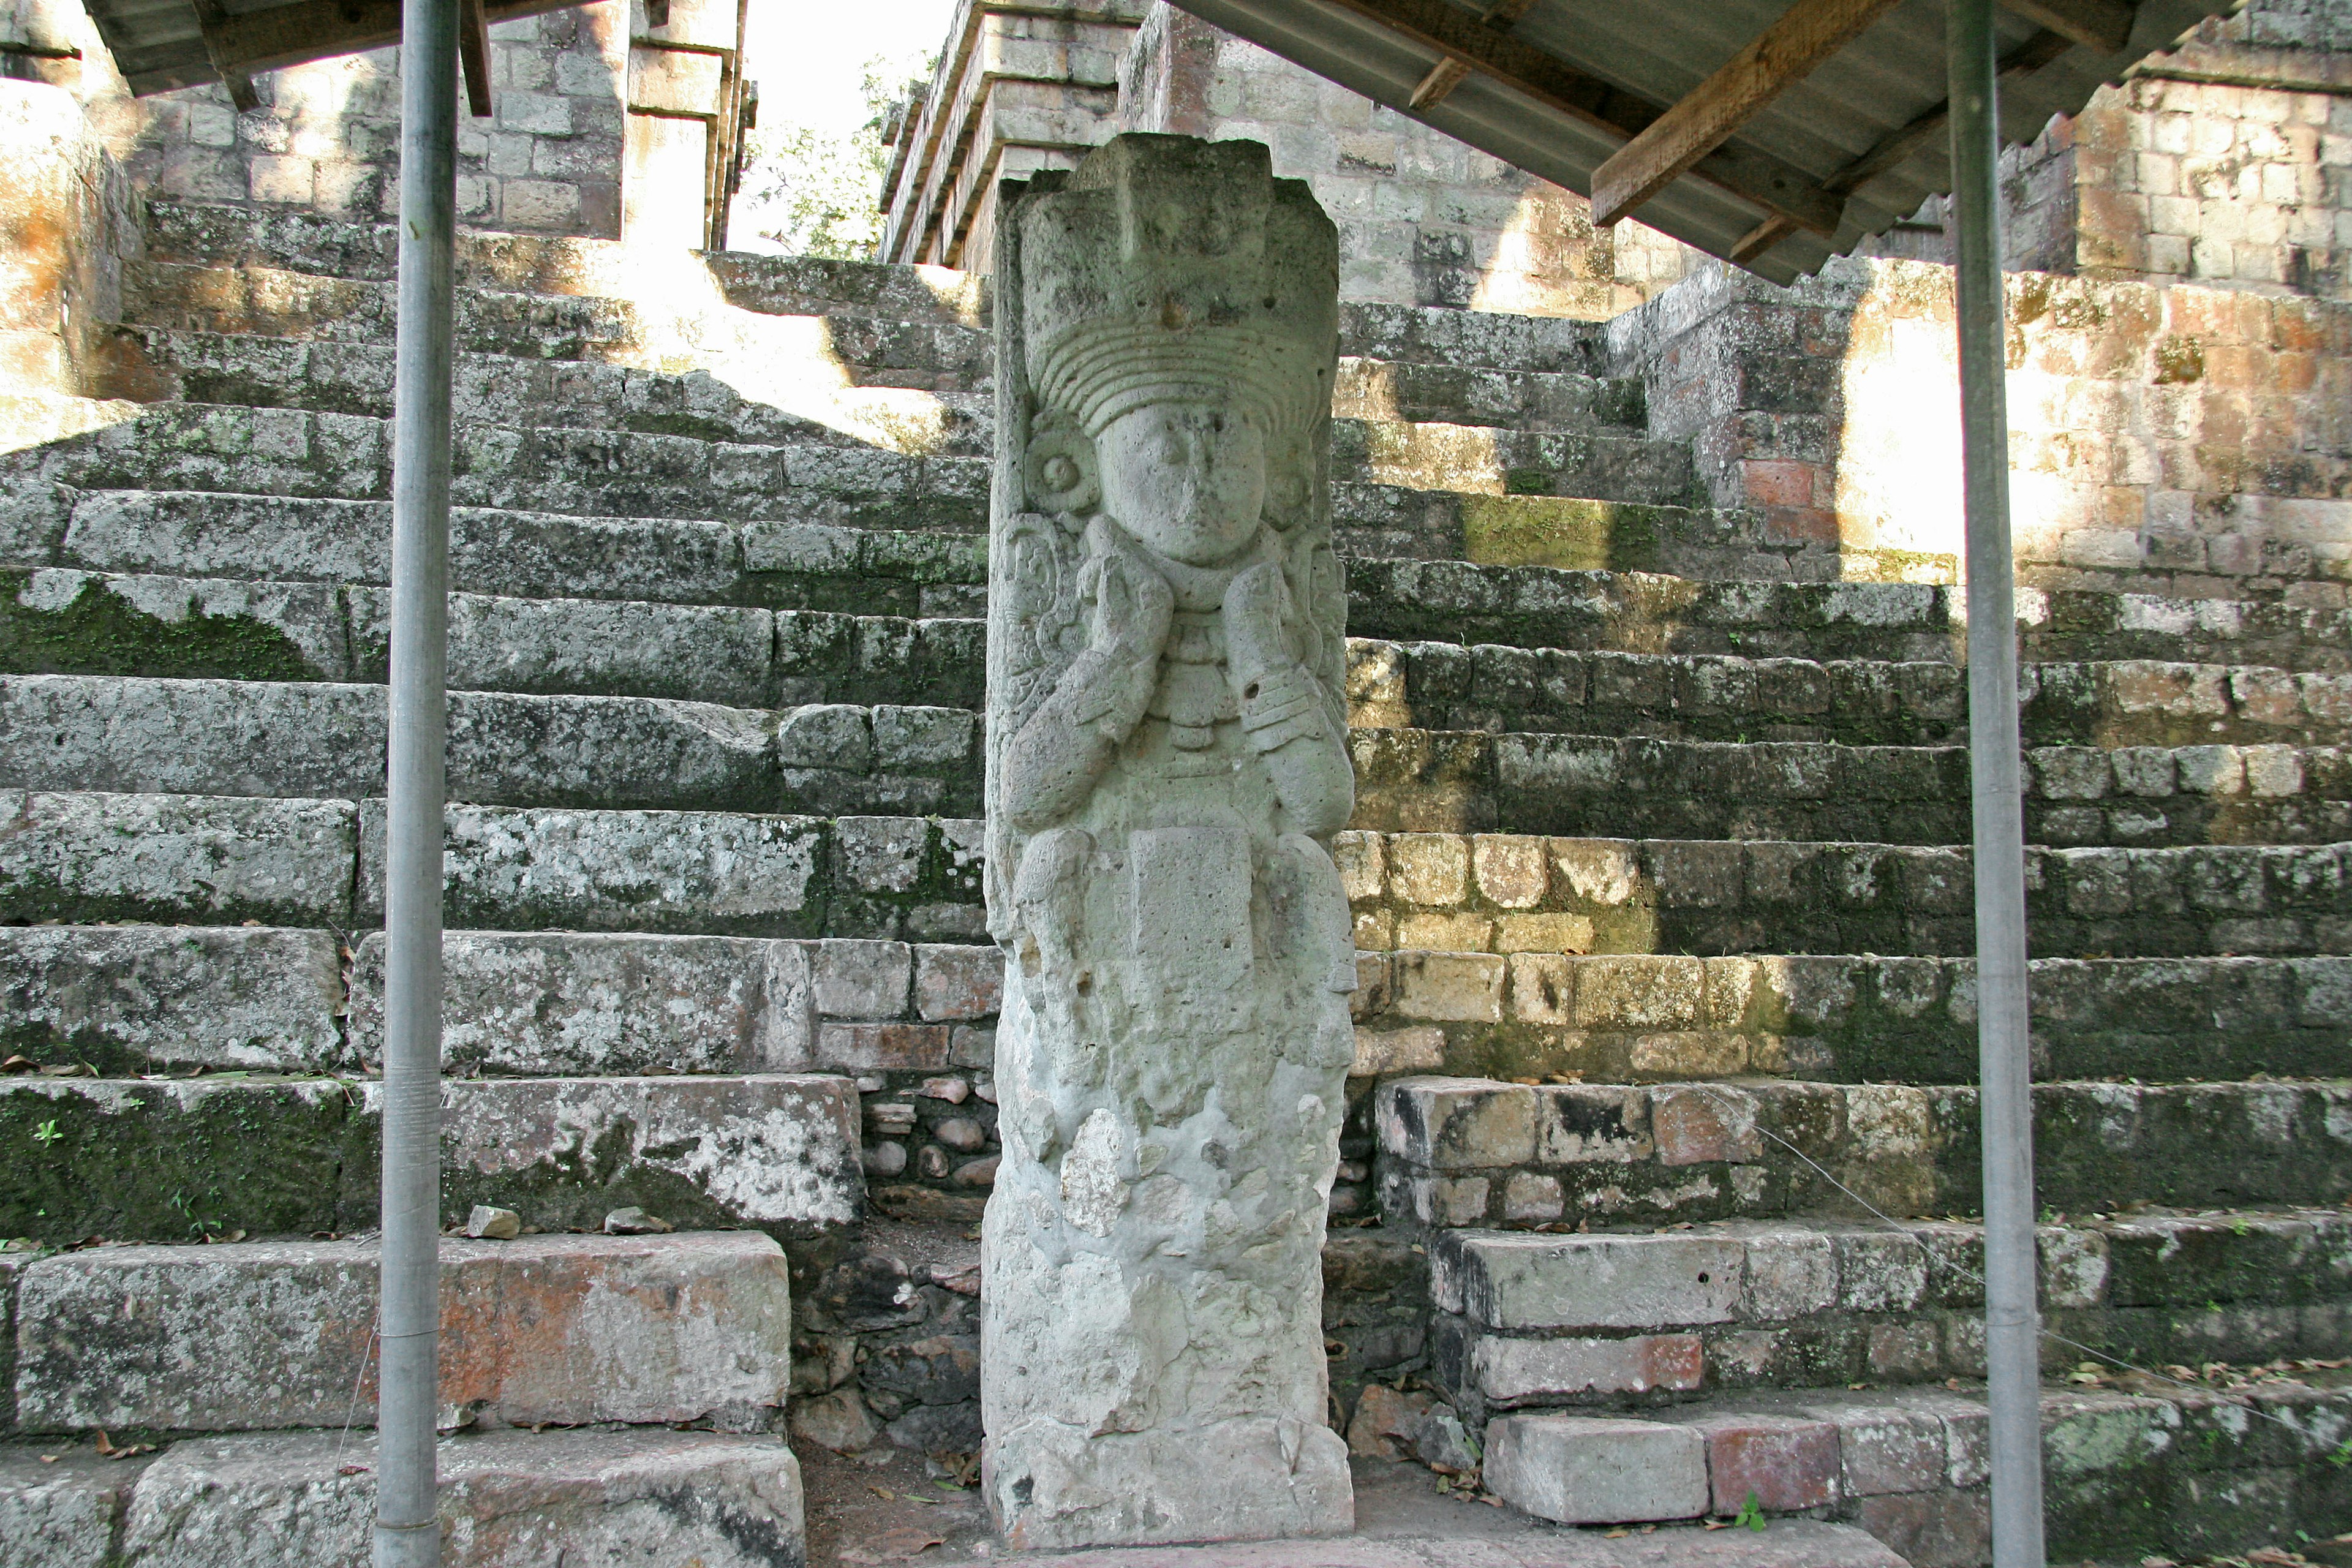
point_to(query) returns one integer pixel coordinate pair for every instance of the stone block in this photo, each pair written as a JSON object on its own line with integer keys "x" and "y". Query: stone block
{"x": 1449, "y": 987}
{"x": 1577, "y": 1469}
{"x": 1788, "y": 1464}
{"x": 1518, "y": 1283}
{"x": 61, "y": 1515}
{"x": 83, "y": 859}
{"x": 566, "y": 1330}
{"x": 1887, "y": 1449}
{"x": 860, "y": 979}
{"x": 140, "y": 998}
{"x": 1697, "y": 1124}
{"x": 1379, "y": 1052}
{"x": 563, "y": 1002}
{"x": 893, "y": 1047}
{"x": 513, "y": 1499}
{"x": 1584, "y": 1124}
{"x": 957, "y": 983}
{"x": 1791, "y": 1273}
{"x": 778, "y": 1154}
{"x": 1457, "y": 1123}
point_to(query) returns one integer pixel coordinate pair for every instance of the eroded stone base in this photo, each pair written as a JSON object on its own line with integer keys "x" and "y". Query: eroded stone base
{"x": 1053, "y": 1488}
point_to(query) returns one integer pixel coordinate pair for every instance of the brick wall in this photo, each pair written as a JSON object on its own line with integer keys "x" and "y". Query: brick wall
{"x": 2164, "y": 438}
{"x": 1423, "y": 219}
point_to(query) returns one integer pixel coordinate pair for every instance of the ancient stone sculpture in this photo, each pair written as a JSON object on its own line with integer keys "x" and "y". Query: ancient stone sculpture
{"x": 1167, "y": 763}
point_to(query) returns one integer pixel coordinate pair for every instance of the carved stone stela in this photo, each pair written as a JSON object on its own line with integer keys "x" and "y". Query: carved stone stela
{"x": 1167, "y": 763}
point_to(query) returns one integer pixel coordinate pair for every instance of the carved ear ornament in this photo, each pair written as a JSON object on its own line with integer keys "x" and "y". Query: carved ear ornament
{"x": 1059, "y": 469}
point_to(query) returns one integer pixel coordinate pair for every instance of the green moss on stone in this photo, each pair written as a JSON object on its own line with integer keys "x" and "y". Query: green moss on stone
{"x": 102, "y": 633}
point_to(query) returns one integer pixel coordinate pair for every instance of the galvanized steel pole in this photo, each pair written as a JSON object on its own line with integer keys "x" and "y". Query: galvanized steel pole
{"x": 408, "y": 1530}
{"x": 2013, "y": 1321}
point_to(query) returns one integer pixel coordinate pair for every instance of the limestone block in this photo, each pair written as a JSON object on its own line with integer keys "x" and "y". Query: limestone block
{"x": 61, "y": 1515}
{"x": 1382, "y": 1051}
{"x": 958, "y": 982}
{"x": 512, "y": 1499}
{"x": 1513, "y": 1370}
{"x": 134, "y": 996}
{"x": 558, "y": 1329}
{"x": 1455, "y": 1123}
{"x": 1167, "y": 765}
{"x": 672, "y": 871}
{"x": 777, "y": 1152}
{"x": 1580, "y": 1469}
{"x": 1518, "y": 1282}
{"x": 552, "y": 1003}
{"x": 83, "y": 859}
{"x": 191, "y": 737}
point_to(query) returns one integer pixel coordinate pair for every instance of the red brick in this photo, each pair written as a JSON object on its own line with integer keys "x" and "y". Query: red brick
{"x": 1791, "y": 1465}
{"x": 1776, "y": 482}
{"x": 1700, "y": 1126}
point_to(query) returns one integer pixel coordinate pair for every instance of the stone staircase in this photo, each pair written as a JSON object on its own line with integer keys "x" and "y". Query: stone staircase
{"x": 1664, "y": 934}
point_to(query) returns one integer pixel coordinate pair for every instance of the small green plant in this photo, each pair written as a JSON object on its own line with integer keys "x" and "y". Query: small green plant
{"x": 2343, "y": 1454}
{"x": 48, "y": 1132}
{"x": 1751, "y": 1512}
{"x": 197, "y": 1225}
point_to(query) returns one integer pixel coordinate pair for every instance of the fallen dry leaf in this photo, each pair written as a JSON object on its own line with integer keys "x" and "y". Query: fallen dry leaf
{"x": 893, "y": 1546}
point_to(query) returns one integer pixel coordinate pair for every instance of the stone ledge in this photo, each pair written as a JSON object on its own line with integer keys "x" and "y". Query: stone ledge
{"x": 565, "y": 1330}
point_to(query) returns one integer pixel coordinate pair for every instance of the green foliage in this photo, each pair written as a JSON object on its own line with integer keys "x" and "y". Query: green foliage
{"x": 812, "y": 193}
{"x": 1751, "y": 1513}
{"x": 102, "y": 633}
{"x": 47, "y": 1133}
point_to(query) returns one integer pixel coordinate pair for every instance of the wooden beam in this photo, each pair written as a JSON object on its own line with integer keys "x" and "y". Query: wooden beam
{"x": 258, "y": 41}
{"x": 2102, "y": 25}
{"x": 1784, "y": 54}
{"x": 1450, "y": 73}
{"x": 210, "y": 20}
{"x": 1447, "y": 29}
{"x": 474, "y": 55}
{"x": 1896, "y": 146}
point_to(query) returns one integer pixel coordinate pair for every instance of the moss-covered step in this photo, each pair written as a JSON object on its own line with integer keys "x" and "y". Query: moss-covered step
{"x": 192, "y": 1159}
{"x": 1498, "y": 892}
{"x": 319, "y": 740}
{"x": 1720, "y": 1306}
{"x": 1852, "y": 1019}
{"x": 91, "y": 858}
{"x": 1589, "y": 785}
{"x": 1460, "y": 1152}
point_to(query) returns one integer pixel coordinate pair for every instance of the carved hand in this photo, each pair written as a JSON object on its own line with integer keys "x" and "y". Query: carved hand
{"x": 1257, "y": 629}
{"x": 1133, "y": 604}
{"x": 1282, "y": 704}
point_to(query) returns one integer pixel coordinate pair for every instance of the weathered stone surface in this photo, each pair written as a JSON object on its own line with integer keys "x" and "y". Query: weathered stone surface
{"x": 1166, "y": 767}
{"x": 776, "y": 1153}
{"x": 567, "y": 1330}
{"x": 510, "y": 1500}
{"x": 1532, "y": 1282}
{"x": 137, "y": 997}
{"x": 720, "y": 873}
{"x": 84, "y": 858}
{"x": 61, "y": 1514}
{"x": 1587, "y": 1470}
{"x": 548, "y": 1004}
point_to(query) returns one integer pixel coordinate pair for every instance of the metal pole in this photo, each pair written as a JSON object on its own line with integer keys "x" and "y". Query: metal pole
{"x": 408, "y": 1530}
{"x": 2013, "y": 1321}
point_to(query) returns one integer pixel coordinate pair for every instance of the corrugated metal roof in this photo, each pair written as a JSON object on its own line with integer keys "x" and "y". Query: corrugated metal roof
{"x": 1883, "y": 81}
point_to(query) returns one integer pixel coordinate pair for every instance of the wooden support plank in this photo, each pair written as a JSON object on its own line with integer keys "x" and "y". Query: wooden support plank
{"x": 1450, "y": 73}
{"x": 2102, "y": 25}
{"x": 1898, "y": 145}
{"x": 1448, "y": 29}
{"x": 210, "y": 19}
{"x": 1784, "y": 54}
{"x": 474, "y": 55}
{"x": 316, "y": 30}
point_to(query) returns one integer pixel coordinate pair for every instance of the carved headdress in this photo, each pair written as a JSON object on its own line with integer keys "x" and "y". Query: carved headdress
{"x": 1184, "y": 272}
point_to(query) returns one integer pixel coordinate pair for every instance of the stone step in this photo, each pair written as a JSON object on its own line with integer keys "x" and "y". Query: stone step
{"x": 57, "y": 620}
{"x": 1844, "y": 1018}
{"x": 1474, "y": 1152}
{"x": 1418, "y": 1541}
{"x": 155, "y": 365}
{"x": 1473, "y": 396}
{"x": 180, "y": 1159}
{"x": 195, "y": 860}
{"x": 1580, "y": 784}
{"x": 596, "y": 1495}
{"x": 82, "y": 858}
{"x": 590, "y": 473}
{"x": 316, "y": 740}
{"x": 2167, "y": 1471}
{"x": 282, "y": 999}
{"x": 934, "y": 354}
{"x": 521, "y": 554}
{"x": 783, "y": 285}
{"x": 1599, "y": 464}
{"x": 1506, "y": 893}
{"x": 561, "y": 1330}
{"x": 1608, "y": 1318}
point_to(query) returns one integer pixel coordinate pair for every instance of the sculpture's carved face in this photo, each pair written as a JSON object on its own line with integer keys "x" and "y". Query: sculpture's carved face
{"x": 1186, "y": 480}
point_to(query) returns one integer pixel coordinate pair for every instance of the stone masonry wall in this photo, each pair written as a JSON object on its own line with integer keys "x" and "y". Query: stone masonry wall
{"x": 1423, "y": 219}
{"x": 2182, "y": 439}
{"x": 326, "y": 137}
